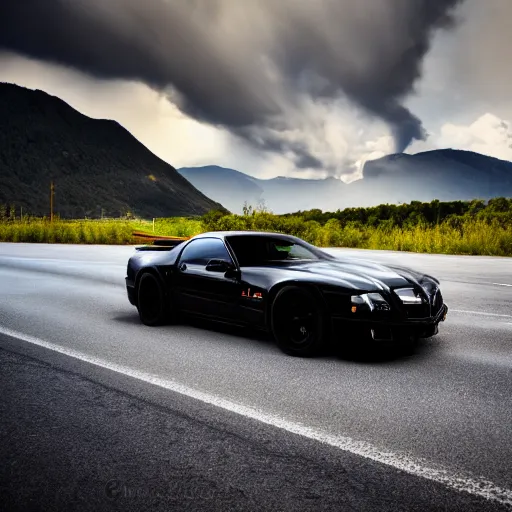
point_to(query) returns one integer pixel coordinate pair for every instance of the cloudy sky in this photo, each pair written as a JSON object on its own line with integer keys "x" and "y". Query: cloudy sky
{"x": 296, "y": 87}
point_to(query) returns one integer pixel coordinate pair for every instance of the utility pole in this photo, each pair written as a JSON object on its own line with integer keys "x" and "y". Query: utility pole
{"x": 52, "y": 189}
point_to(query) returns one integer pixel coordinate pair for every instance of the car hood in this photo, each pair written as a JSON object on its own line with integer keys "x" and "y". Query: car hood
{"x": 352, "y": 273}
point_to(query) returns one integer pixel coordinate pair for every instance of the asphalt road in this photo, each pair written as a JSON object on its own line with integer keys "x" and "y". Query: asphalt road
{"x": 225, "y": 420}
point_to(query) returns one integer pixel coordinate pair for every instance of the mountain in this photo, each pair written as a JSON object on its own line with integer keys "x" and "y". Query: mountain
{"x": 97, "y": 166}
{"x": 281, "y": 194}
{"x": 445, "y": 174}
{"x": 227, "y": 184}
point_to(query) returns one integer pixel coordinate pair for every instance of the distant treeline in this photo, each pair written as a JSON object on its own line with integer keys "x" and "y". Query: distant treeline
{"x": 7, "y": 212}
{"x": 14, "y": 212}
{"x": 457, "y": 227}
{"x": 414, "y": 213}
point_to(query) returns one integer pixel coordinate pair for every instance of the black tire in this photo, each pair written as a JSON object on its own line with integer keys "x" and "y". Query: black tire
{"x": 298, "y": 322}
{"x": 152, "y": 304}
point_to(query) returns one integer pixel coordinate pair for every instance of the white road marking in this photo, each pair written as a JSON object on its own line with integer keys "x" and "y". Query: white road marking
{"x": 59, "y": 260}
{"x": 477, "y": 313}
{"x": 502, "y": 284}
{"x": 459, "y": 481}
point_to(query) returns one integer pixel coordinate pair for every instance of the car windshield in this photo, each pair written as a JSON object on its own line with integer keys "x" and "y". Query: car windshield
{"x": 259, "y": 250}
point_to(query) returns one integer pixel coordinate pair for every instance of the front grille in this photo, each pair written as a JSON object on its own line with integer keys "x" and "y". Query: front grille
{"x": 437, "y": 302}
{"x": 432, "y": 305}
{"x": 417, "y": 310}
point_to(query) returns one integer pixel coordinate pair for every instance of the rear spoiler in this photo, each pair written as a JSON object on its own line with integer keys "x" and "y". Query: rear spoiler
{"x": 160, "y": 243}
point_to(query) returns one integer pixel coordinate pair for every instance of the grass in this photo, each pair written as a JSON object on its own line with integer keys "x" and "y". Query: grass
{"x": 458, "y": 234}
{"x": 110, "y": 231}
{"x": 475, "y": 237}
{"x": 67, "y": 232}
{"x": 177, "y": 226}
{"x": 471, "y": 236}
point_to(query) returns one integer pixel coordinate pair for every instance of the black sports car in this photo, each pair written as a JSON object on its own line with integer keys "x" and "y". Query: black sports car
{"x": 280, "y": 283}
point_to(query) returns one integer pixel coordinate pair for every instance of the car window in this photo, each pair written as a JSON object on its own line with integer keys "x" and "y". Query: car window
{"x": 201, "y": 251}
{"x": 258, "y": 250}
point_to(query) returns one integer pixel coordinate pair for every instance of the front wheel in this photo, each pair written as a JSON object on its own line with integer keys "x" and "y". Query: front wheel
{"x": 153, "y": 304}
{"x": 297, "y": 322}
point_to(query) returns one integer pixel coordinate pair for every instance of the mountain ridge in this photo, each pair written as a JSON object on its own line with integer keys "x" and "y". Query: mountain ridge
{"x": 97, "y": 165}
{"x": 444, "y": 174}
{"x": 101, "y": 168}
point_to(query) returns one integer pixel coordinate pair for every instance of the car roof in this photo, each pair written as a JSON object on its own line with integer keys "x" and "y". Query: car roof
{"x": 224, "y": 234}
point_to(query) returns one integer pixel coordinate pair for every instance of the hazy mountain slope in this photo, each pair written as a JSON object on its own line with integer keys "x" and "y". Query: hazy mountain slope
{"x": 95, "y": 164}
{"x": 280, "y": 194}
{"x": 226, "y": 184}
{"x": 442, "y": 174}
{"x": 283, "y": 195}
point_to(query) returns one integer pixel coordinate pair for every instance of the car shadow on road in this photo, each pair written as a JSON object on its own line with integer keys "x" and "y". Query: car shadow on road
{"x": 127, "y": 318}
{"x": 206, "y": 325}
{"x": 356, "y": 350}
{"x": 252, "y": 335}
{"x": 369, "y": 352}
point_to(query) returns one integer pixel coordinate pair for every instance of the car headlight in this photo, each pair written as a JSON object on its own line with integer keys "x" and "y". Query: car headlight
{"x": 409, "y": 296}
{"x": 369, "y": 302}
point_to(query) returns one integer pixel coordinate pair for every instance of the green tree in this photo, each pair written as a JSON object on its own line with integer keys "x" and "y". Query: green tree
{"x": 247, "y": 209}
{"x": 499, "y": 204}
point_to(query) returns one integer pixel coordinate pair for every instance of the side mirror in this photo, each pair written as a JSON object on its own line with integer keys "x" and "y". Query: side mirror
{"x": 219, "y": 266}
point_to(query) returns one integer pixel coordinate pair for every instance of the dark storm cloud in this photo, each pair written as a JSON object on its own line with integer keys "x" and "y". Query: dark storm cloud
{"x": 242, "y": 64}
{"x": 162, "y": 44}
{"x": 371, "y": 50}
{"x": 302, "y": 158}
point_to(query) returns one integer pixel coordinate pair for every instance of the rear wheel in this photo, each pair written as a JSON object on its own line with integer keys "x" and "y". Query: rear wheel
{"x": 297, "y": 322}
{"x": 153, "y": 304}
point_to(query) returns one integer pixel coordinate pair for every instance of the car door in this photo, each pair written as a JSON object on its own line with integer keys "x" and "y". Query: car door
{"x": 200, "y": 291}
